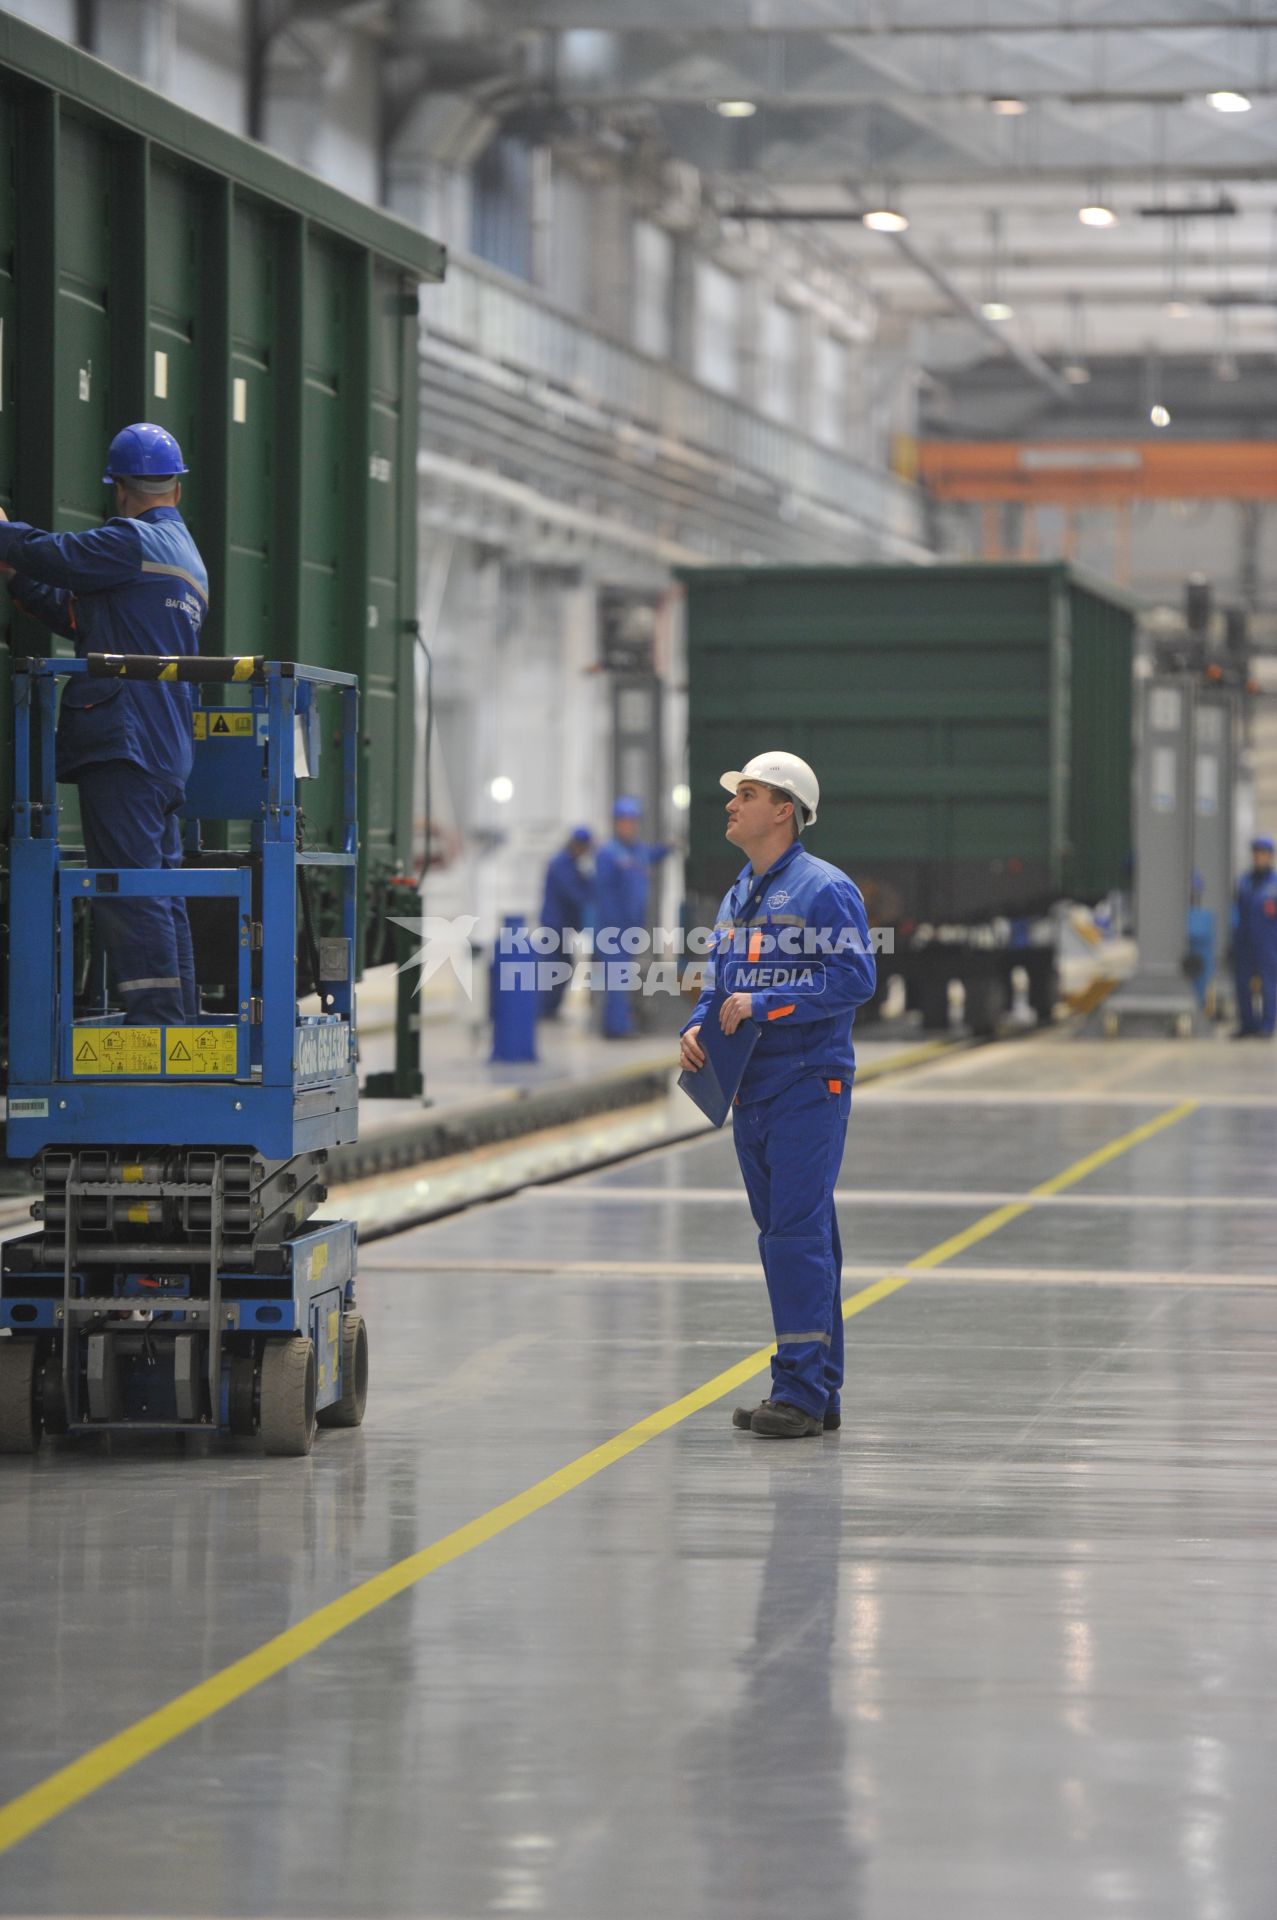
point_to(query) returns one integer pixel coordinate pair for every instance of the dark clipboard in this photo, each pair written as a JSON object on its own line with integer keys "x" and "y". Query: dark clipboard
{"x": 714, "y": 1087}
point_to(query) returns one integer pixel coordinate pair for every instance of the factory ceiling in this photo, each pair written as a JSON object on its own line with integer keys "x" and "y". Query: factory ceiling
{"x": 987, "y": 125}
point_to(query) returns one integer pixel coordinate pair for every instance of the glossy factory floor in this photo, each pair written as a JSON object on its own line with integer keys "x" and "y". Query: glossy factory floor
{"x": 1004, "y": 1649}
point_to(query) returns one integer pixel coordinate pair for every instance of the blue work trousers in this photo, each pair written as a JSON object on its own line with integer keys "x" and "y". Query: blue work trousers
{"x": 130, "y": 819}
{"x": 790, "y": 1150}
{"x": 1249, "y": 1021}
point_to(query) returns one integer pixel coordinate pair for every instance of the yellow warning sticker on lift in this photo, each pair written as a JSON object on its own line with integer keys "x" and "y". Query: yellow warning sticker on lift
{"x": 132, "y": 1050}
{"x": 201, "y": 1049}
{"x": 224, "y": 723}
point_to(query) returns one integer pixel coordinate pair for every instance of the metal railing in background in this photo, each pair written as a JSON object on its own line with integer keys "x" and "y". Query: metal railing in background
{"x": 480, "y": 311}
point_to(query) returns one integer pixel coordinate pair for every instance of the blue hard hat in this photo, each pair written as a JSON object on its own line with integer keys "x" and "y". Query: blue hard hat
{"x": 1262, "y": 843}
{"x": 143, "y": 451}
{"x": 583, "y": 833}
{"x": 628, "y": 808}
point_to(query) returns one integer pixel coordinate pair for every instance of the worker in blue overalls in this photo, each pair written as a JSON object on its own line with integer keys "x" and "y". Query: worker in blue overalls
{"x": 565, "y": 907}
{"x": 1255, "y": 944}
{"x": 621, "y": 879}
{"x": 792, "y": 952}
{"x": 133, "y": 585}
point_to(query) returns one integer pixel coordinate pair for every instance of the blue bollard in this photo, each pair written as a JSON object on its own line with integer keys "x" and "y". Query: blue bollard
{"x": 513, "y": 1000}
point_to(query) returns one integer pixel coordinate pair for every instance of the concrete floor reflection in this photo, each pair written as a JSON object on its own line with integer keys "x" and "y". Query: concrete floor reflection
{"x": 1002, "y": 1650}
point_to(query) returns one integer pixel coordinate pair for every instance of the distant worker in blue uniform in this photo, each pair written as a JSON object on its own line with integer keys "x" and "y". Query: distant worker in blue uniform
{"x": 792, "y": 952}
{"x": 136, "y": 584}
{"x": 566, "y": 906}
{"x": 621, "y": 884}
{"x": 1255, "y": 944}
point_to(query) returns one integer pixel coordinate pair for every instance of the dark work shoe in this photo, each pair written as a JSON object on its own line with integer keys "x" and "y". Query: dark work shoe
{"x": 743, "y": 1418}
{"x": 777, "y": 1420}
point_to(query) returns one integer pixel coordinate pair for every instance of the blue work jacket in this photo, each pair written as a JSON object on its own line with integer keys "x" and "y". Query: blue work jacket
{"x": 1255, "y": 922}
{"x": 568, "y": 886}
{"x": 804, "y": 920}
{"x": 130, "y": 586}
{"x": 621, "y": 875}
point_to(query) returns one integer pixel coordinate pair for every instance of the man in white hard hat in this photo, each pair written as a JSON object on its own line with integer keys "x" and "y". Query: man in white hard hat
{"x": 792, "y": 951}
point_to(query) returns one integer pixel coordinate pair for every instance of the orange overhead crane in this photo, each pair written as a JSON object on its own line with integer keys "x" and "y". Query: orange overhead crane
{"x": 1086, "y": 476}
{"x": 1097, "y": 473}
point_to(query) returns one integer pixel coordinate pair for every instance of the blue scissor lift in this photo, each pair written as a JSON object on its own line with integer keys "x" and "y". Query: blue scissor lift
{"x": 180, "y": 1278}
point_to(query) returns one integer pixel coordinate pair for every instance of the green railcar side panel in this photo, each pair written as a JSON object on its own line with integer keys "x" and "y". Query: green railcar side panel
{"x": 934, "y": 703}
{"x": 1102, "y": 737}
{"x": 389, "y": 609}
{"x": 90, "y": 214}
{"x": 176, "y": 353}
{"x": 9, "y": 136}
{"x": 153, "y": 266}
{"x": 255, "y": 590}
{"x": 325, "y": 478}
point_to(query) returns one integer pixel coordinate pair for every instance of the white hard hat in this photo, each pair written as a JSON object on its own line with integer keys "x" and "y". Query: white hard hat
{"x": 781, "y": 770}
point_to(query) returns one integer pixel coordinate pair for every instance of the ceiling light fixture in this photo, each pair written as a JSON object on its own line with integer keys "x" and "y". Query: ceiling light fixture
{"x": 885, "y": 220}
{"x": 1009, "y": 107}
{"x": 736, "y": 109}
{"x": 1228, "y": 102}
{"x": 997, "y": 310}
{"x": 1097, "y": 215}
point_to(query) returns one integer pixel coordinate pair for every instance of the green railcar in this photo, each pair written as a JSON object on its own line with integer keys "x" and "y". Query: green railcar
{"x": 970, "y": 726}
{"x": 153, "y": 266}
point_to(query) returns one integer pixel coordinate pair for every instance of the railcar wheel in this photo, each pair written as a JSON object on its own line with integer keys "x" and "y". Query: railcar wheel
{"x": 349, "y": 1410}
{"x": 287, "y": 1396}
{"x": 19, "y": 1417}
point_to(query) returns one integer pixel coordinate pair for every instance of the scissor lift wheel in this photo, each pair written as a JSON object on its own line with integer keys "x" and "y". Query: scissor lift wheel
{"x": 349, "y": 1410}
{"x": 286, "y": 1396}
{"x": 19, "y": 1416}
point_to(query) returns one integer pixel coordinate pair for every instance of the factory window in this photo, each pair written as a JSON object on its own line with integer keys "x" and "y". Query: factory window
{"x": 716, "y": 354}
{"x": 653, "y": 258}
{"x": 829, "y": 391}
{"x": 778, "y": 361}
{"x": 501, "y": 220}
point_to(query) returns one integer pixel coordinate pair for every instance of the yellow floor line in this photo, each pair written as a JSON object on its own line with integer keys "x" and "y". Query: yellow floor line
{"x": 106, "y": 1762}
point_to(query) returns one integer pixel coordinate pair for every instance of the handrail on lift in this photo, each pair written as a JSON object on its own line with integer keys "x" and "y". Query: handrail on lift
{"x": 42, "y": 897}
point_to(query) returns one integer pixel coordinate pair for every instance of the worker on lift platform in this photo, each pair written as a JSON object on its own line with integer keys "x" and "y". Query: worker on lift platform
{"x": 134, "y": 585}
{"x": 1255, "y": 944}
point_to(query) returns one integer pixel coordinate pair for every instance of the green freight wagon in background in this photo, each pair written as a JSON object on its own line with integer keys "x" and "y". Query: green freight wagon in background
{"x": 154, "y": 267}
{"x": 970, "y": 726}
